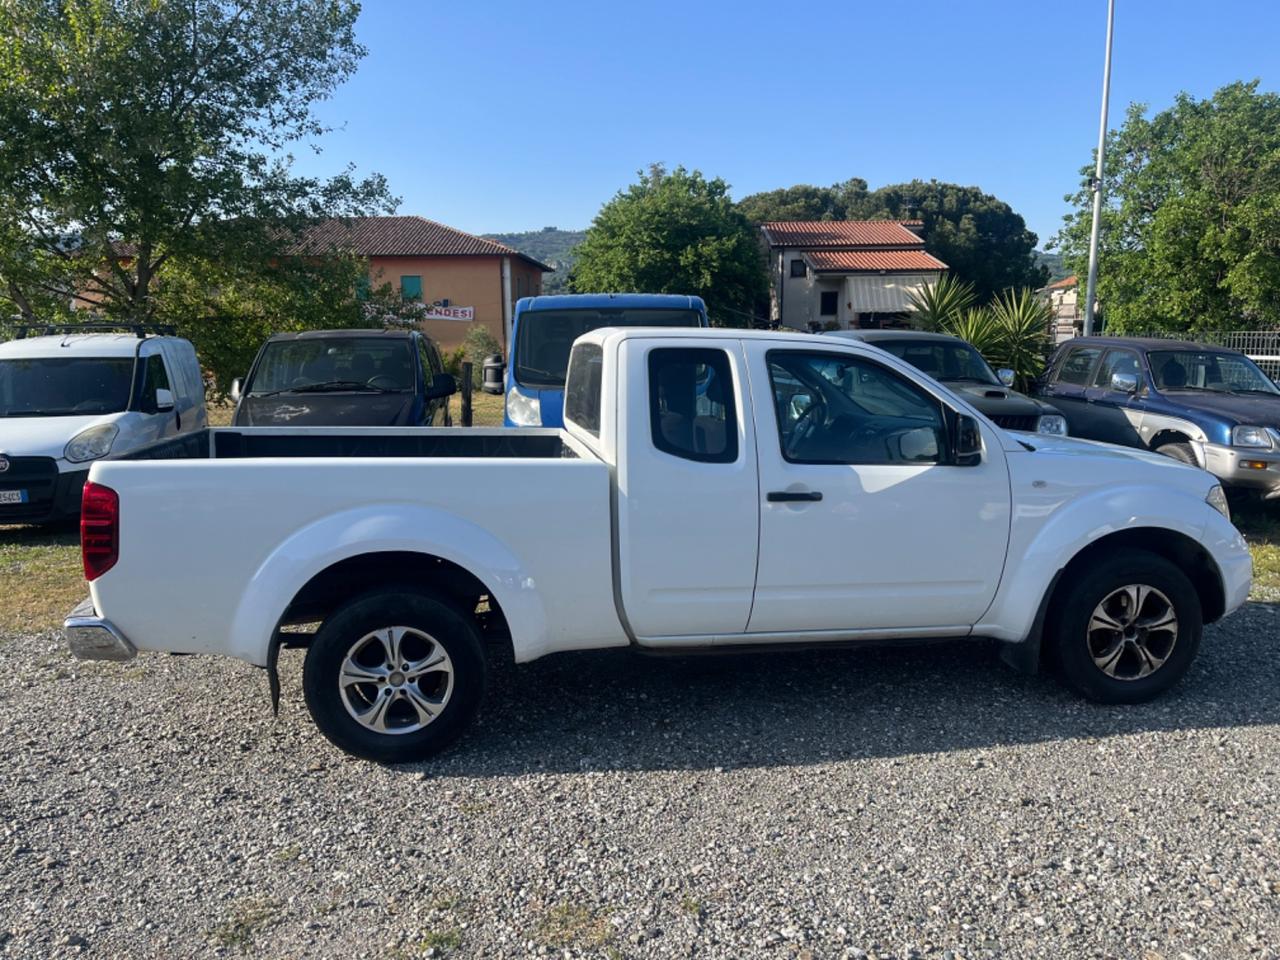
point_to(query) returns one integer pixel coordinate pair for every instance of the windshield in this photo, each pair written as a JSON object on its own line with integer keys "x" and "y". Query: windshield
{"x": 545, "y": 336}
{"x": 942, "y": 359}
{"x": 1207, "y": 370}
{"x": 375, "y": 364}
{"x": 64, "y": 386}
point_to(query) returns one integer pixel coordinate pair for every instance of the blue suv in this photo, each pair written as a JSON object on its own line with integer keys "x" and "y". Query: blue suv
{"x": 1204, "y": 405}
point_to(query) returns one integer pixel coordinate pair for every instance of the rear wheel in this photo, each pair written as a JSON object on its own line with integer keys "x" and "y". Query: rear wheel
{"x": 394, "y": 676}
{"x": 1127, "y": 629}
{"x": 1179, "y": 451}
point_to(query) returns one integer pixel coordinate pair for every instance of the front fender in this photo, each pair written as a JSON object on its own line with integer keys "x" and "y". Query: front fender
{"x": 385, "y": 528}
{"x": 1045, "y": 538}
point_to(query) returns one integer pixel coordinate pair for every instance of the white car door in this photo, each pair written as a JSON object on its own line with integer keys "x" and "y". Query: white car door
{"x": 687, "y": 489}
{"x": 864, "y": 523}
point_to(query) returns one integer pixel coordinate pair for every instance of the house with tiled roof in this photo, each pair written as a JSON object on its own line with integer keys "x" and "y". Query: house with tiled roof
{"x": 846, "y": 273}
{"x": 460, "y": 279}
{"x": 1067, "y": 306}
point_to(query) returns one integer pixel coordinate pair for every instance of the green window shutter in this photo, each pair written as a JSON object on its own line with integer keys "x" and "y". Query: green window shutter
{"x": 363, "y": 288}
{"x": 411, "y": 288}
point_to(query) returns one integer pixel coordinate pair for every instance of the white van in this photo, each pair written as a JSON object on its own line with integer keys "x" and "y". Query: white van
{"x": 77, "y": 395}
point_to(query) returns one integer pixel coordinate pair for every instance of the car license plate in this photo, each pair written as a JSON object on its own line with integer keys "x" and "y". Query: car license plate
{"x": 13, "y": 496}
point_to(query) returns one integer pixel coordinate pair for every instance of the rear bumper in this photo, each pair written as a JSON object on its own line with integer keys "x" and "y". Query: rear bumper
{"x": 1241, "y": 467}
{"x": 92, "y": 638}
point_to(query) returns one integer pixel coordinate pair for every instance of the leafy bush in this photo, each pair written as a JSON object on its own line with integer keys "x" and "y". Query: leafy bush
{"x": 478, "y": 344}
{"x": 975, "y": 326}
{"x": 1023, "y": 320}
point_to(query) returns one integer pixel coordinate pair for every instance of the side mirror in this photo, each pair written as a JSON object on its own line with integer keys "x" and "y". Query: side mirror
{"x": 237, "y": 389}
{"x": 967, "y": 443}
{"x": 164, "y": 400}
{"x": 1124, "y": 382}
{"x": 442, "y": 386}
{"x": 1006, "y": 376}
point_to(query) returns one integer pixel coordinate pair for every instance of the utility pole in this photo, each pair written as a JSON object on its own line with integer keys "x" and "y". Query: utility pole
{"x": 1092, "y": 286}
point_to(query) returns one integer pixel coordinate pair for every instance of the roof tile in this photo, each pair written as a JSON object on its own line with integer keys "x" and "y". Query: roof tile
{"x": 841, "y": 233}
{"x": 848, "y": 261}
{"x": 401, "y": 237}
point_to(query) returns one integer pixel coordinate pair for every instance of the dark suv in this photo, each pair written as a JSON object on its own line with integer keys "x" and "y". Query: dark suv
{"x": 345, "y": 378}
{"x": 1204, "y": 405}
{"x": 959, "y": 365}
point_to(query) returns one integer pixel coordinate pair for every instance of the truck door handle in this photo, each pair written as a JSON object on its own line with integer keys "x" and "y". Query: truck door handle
{"x": 794, "y": 496}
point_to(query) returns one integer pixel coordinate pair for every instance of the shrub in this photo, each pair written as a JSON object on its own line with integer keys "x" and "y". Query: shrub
{"x": 936, "y": 303}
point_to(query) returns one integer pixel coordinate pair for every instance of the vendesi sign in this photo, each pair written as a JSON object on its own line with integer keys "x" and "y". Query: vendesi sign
{"x": 434, "y": 312}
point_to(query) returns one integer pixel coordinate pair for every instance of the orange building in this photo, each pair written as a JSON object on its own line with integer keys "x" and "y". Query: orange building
{"x": 462, "y": 280}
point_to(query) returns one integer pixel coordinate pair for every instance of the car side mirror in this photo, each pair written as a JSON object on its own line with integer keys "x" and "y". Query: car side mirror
{"x": 237, "y": 390}
{"x": 1124, "y": 382}
{"x": 164, "y": 400}
{"x": 967, "y": 442}
{"x": 442, "y": 386}
{"x": 1006, "y": 376}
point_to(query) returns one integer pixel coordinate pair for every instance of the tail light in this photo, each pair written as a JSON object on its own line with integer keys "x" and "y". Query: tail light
{"x": 99, "y": 529}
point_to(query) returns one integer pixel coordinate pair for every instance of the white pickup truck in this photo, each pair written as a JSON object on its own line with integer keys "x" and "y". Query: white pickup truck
{"x": 712, "y": 489}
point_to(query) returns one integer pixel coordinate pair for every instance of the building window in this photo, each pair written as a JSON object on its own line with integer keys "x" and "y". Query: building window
{"x": 829, "y": 305}
{"x": 411, "y": 288}
{"x": 798, "y": 269}
{"x": 364, "y": 288}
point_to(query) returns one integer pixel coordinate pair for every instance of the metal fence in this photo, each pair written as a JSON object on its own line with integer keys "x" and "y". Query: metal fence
{"x": 1260, "y": 346}
{"x": 471, "y": 406}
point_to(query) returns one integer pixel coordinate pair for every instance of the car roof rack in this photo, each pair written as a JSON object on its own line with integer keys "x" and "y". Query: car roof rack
{"x": 140, "y": 330}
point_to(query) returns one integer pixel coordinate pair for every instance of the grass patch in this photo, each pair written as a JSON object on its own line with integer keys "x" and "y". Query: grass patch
{"x": 569, "y": 925}
{"x": 248, "y": 918}
{"x": 442, "y": 940}
{"x": 42, "y": 577}
{"x": 691, "y": 905}
{"x": 288, "y": 854}
{"x": 1260, "y": 524}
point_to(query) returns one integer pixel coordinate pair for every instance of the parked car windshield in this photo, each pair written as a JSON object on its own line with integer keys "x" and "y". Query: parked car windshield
{"x": 334, "y": 364}
{"x": 545, "y": 337}
{"x": 64, "y": 386}
{"x": 942, "y": 359}
{"x": 1207, "y": 370}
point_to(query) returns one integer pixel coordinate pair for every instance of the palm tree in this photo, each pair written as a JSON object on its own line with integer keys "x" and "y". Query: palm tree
{"x": 1023, "y": 321}
{"x": 935, "y": 303}
{"x": 978, "y": 327}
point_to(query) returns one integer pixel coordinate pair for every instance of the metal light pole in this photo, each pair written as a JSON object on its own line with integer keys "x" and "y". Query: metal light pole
{"x": 1092, "y": 286}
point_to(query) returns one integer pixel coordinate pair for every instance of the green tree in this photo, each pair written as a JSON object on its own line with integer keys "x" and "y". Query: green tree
{"x": 143, "y": 144}
{"x": 980, "y": 237}
{"x": 1191, "y": 225}
{"x": 675, "y": 232}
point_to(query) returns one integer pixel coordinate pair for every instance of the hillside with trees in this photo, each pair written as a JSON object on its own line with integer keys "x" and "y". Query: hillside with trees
{"x": 552, "y": 246}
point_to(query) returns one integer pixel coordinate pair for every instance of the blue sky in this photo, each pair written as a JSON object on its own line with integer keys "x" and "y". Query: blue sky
{"x": 500, "y": 116}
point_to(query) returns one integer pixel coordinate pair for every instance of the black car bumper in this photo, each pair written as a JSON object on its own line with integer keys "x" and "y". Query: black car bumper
{"x": 47, "y": 495}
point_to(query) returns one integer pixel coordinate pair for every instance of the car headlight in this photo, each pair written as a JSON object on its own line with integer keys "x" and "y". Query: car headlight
{"x": 522, "y": 410}
{"x": 91, "y": 444}
{"x": 1217, "y": 499}
{"x": 1054, "y": 424}
{"x": 1250, "y": 437}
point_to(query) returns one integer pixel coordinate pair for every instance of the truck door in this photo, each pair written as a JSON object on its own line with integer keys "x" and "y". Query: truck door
{"x": 864, "y": 523}
{"x": 687, "y": 489}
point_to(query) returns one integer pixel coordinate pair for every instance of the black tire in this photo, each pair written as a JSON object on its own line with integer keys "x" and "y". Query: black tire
{"x": 1074, "y": 645}
{"x": 425, "y": 614}
{"x": 1179, "y": 451}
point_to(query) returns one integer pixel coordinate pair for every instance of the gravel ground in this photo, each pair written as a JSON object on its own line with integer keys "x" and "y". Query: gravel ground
{"x": 926, "y": 802}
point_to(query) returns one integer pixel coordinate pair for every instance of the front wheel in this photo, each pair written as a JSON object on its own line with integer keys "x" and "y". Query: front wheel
{"x": 394, "y": 676}
{"x": 1127, "y": 629}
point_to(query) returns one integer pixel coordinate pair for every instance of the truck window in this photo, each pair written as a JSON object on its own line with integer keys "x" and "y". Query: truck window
{"x": 582, "y": 396}
{"x": 833, "y": 408}
{"x": 1075, "y": 368}
{"x": 155, "y": 379}
{"x": 1116, "y": 361}
{"x": 544, "y": 337}
{"x": 691, "y": 404}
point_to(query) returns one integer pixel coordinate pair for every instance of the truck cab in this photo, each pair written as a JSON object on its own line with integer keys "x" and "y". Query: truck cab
{"x": 544, "y": 329}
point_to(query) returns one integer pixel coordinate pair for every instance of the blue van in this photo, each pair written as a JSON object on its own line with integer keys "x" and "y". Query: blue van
{"x": 544, "y": 329}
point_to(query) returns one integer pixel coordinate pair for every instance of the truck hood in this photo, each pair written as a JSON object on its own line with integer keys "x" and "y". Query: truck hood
{"x": 1253, "y": 410}
{"x": 1107, "y": 463}
{"x": 326, "y": 410}
{"x": 44, "y": 436}
{"x": 993, "y": 400}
